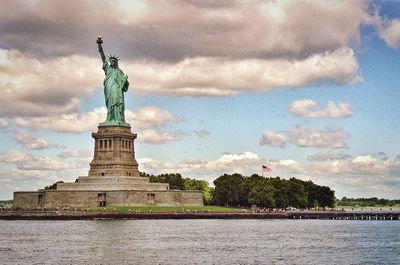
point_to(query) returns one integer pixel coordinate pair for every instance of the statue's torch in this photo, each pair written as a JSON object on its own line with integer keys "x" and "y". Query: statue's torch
{"x": 99, "y": 40}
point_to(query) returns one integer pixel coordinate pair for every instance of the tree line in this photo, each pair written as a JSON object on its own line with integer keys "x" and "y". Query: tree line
{"x": 274, "y": 192}
{"x": 366, "y": 202}
{"x": 177, "y": 182}
{"x": 6, "y": 203}
{"x": 239, "y": 190}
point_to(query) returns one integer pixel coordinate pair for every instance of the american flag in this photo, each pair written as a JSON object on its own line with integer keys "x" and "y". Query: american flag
{"x": 266, "y": 168}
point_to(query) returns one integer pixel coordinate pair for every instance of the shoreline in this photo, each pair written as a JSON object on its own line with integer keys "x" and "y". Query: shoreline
{"x": 80, "y": 215}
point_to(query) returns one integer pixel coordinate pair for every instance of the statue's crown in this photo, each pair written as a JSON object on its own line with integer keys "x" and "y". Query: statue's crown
{"x": 113, "y": 57}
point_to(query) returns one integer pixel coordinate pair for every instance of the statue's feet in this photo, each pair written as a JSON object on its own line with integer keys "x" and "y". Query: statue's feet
{"x": 114, "y": 123}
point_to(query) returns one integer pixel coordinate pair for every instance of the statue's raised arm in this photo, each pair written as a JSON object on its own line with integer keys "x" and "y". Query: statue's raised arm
{"x": 99, "y": 42}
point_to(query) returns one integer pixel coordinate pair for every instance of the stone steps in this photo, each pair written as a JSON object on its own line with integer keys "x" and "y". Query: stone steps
{"x": 111, "y": 186}
{"x": 114, "y": 179}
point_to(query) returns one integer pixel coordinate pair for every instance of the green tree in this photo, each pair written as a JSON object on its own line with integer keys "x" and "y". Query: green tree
{"x": 53, "y": 186}
{"x": 246, "y": 187}
{"x": 366, "y": 202}
{"x": 227, "y": 189}
{"x": 196, "y": 184}
{"x": 326, "y": 196}
{"x": 262, "y": 193}
{"x": 174, "y": 180}
{"x": 296, "y": 194}
{"x": 281, "y": 187}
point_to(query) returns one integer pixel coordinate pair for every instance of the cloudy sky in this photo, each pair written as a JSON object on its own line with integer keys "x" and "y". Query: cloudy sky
{"x": 311, "y": 88}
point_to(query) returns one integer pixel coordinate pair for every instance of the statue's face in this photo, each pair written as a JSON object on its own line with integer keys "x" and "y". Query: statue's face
{"x": 114, "y": 63}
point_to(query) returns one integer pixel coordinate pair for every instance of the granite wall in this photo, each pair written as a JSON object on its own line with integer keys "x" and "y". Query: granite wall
{"x": 26, "y": 199}
{"x": 58, "y": 198}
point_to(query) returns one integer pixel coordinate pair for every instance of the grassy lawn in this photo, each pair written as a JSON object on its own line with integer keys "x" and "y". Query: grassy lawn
{"x": 167, "y": 209}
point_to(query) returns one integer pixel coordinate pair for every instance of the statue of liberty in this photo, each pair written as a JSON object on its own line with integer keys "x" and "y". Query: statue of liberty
{"x": 115, "y": 84}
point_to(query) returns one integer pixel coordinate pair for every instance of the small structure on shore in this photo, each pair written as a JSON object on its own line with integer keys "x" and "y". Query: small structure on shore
{"x": 113, "y": 178}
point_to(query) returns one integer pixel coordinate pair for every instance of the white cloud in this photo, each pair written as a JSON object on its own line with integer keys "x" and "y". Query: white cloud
{"x": 29, "y": 180}
{"x": 231, "y": 29}
{"x": 42, "y": 163}
{"x": 25, "y": 161}
{"x": 229, "y": 160}
{"x": 273, "y": 139}
{"x": 153, "y": 166}
{"x": 262, "y": 45}
{"x": 25, "y": 180}
{"x": 324, "y": 156}
{"x": 142, "y": 118}
{"x": 73, "y": 122}
{"x": 76, "y": 154}
{"x": 366, "y": 159}
{"x": 80, "y": 159}
{"x": 31, "y": 142}
{"x": 146, "y": 120}
{"x": 14, "y": 157}
{"x": 4, "y": 123}
{"x": 306, "y": 108}
{"x": 245, "y": 163}
{"x": 286, "y": 167}
{"x": 303, "y": 136}
{"x": 33, "y": 87}
{"x": 150, "y": 117}
{"x": 206, "y": 76}
{"x": 389, "y": 31}
{"x": 159, "y": 137}
{"x": 41, "y": 76}
{"x": 364, "y": 176}
{"x": 331, "y": 137}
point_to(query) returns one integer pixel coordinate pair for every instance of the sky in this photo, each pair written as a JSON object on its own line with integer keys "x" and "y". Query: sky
{"x": 310, "y": 88}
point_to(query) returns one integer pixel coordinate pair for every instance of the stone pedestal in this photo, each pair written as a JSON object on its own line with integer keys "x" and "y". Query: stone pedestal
{"x": 113, "y": 180}
{"x": 114, "y": 152}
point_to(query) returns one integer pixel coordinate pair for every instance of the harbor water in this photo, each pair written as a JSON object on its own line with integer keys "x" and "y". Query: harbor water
{"x": 200, "y": 242}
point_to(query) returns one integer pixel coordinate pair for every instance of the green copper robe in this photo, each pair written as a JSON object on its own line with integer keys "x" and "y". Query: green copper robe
{"x": 115, "y": 84}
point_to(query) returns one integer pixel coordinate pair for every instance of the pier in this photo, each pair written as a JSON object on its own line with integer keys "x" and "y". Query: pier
{"x": 347, "y": 215}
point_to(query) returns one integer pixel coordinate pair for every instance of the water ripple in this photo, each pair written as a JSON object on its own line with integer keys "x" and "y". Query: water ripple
{"x": 199, "y": 242}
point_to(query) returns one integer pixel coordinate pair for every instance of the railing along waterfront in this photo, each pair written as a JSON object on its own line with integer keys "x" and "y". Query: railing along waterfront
{"x": 347, "y": 215}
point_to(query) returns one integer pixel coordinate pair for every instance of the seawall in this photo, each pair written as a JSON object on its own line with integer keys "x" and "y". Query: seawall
{"x": 80, "y": 215}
